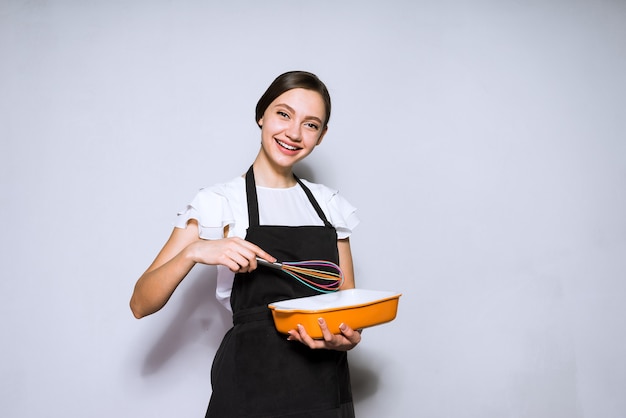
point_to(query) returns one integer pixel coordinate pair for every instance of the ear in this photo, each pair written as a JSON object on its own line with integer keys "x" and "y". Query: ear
{"x": 260, "y": 123}
{"x": 319, "y": 140}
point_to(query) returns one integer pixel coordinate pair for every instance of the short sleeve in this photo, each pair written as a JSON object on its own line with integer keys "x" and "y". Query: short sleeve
{"x": 340, "y": 212}
{"x": 342, "y": 215}
{"x": 212, "y": 211}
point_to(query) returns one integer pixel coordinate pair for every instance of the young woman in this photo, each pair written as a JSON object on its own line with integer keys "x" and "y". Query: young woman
{"x": 271, "y": 214}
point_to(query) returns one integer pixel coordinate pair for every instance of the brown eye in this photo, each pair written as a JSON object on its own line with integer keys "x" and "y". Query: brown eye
{"x": 313, "y": 126}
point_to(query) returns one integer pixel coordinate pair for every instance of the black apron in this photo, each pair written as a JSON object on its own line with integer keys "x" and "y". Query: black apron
{"x": 256, "y": 371}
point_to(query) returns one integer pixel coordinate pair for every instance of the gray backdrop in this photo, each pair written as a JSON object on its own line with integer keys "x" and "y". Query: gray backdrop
{"x": 482, "y": 141}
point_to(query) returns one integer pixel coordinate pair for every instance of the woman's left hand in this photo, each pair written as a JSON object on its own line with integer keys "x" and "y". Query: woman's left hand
{"x": 347, "y": 340}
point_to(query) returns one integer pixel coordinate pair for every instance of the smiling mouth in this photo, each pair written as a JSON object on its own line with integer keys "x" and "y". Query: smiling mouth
{"x": 287, "y": 146}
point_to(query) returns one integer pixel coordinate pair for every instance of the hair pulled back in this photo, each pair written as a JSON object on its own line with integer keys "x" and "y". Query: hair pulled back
{"x": 293, "y": 80}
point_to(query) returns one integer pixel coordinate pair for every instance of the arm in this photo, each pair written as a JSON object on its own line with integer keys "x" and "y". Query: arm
{"x": 345, "y": 263}
{"x": 349, "y": 338}
{"x": 178, "y": 256}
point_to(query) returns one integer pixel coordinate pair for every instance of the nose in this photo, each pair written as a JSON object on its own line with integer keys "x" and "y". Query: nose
{"x": 293, "y": 131}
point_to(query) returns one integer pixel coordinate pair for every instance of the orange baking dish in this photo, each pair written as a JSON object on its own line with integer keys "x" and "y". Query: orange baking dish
{"x": 357, "y": 308}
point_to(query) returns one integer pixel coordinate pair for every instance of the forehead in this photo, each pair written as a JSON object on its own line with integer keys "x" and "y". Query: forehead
{"x": 307, "y": 102}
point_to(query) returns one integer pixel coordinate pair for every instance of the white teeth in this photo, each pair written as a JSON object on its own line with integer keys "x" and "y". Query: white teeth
{"x": 289, "y": 147}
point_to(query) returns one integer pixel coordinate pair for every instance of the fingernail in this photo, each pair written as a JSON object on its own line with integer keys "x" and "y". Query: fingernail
{"x": 320, "y": 321}
{"x": 342, "y": 326}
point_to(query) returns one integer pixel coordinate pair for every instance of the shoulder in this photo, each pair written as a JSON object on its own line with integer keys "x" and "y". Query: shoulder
{"x": 227, "y": 189}
{"x": 341, "y": 213}
{"x": 214, "y": 207}
{"x": 327, "y": 196}
{"x": 230, "y": 193}
{"x": 321, "y": 191}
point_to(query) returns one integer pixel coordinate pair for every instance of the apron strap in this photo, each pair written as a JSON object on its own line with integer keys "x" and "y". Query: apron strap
{"x": 313, "y": 201}
{"x": 253, "y": 202}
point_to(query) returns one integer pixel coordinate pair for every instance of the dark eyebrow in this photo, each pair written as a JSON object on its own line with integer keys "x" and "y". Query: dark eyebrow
{"x": 293, "y": 111}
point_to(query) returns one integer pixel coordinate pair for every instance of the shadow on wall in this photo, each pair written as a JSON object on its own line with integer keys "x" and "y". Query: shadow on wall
{"x": 199, "y": 316}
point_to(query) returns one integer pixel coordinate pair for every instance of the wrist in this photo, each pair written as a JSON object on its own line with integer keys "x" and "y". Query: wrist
{"x": 191, "y": 253}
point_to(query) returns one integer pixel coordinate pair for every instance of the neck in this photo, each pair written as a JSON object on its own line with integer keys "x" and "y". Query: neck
{"x": 271, "y": 175}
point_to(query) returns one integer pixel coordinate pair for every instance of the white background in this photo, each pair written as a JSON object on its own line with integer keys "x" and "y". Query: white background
{"x": 482, "y": 141}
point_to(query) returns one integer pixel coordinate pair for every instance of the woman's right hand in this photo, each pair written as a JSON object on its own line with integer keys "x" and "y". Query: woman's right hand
{"x": 178, "y": 256}
{"x": 235, "y": 253}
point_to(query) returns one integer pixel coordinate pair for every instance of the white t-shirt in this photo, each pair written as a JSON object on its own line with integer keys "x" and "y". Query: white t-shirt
{"x": 225, "y": 204}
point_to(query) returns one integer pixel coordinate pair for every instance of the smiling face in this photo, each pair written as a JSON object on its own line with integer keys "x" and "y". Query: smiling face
{"x": 291, "y": 127}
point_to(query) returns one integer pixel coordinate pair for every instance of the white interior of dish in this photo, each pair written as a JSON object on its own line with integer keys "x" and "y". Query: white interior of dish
{"x": 340, "y": 299}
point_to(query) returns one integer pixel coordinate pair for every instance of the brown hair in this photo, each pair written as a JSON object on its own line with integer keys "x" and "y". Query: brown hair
{"x": 293, "y": 80}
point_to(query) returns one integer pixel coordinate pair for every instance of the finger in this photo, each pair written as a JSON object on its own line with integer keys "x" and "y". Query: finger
{"x": 230, "y": 263}
{"x": 239, "y": 262}
{"x": 326, "y": 334}
{"x": 306, "y": 339}
{"x": 353, "y": 336}
{"x": 245, "y": 256}
{"x": 258, "y": 252}
{"x": 251, "y": 252}
{"x": 292, "y": 335}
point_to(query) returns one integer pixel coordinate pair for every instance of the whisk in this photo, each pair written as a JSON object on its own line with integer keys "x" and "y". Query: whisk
{"x": 320, "y": 275}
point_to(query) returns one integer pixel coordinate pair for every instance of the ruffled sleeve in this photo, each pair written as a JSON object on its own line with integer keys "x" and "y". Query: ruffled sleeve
{"x": 342, "y": 215}
{"x": 212, "y": 211}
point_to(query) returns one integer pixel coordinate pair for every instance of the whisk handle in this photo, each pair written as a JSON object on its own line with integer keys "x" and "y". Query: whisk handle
{"x": 266, "y": 263}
